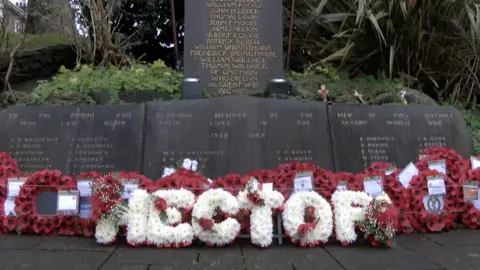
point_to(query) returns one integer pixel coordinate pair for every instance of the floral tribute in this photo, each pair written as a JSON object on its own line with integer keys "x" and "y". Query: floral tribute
{"x": 261, "y": 202}
{"x": 471, "y": 215}
{"x": 443, "y": 215}
{"x": 109, "y": 210}
{"x": 25, "y": 204}
{"x": 378, "y": 224}
{"x": 183, "y": 205}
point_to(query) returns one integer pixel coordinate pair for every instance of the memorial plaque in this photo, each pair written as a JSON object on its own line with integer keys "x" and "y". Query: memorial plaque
{"x": 73, "y": 139}
{"x": 363, "y": 134}
{"x": 235, "y": 134}
{"x": 233, "y": 45}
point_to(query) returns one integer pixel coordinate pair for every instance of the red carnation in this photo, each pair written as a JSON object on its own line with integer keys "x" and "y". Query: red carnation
{"x": 160, "y": 204}
{"x": 206, "y": 224}
{"x": 255, "y": 198}
{"x": 304, "y": 228}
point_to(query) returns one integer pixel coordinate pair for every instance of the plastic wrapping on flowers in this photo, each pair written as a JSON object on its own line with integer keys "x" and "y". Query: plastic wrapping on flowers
{"x": 470, "y": 217}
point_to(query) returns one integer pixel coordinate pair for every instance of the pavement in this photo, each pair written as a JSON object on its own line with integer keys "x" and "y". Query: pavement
{"x": 459, "y": 249}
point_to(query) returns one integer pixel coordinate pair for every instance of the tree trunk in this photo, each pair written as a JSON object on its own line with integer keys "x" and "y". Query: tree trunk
{"x": 49, "y": 17}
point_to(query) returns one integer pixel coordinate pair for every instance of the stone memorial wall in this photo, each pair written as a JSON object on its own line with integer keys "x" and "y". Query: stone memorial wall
{"x": 232, "y": 46}
{"x": 235, "y": 134}
{"x": 362, "y": 134}
{"x": 225, "y": 134}
{"x": 73, "y": 139}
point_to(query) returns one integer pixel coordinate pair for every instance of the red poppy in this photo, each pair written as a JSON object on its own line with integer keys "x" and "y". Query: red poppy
{"x": 10, "y": 223}
{"x": 255, "y": 198}
{"x": 160, "y": 204}
{"x": 206, "y": 224}
{"x": 304, "y": 228}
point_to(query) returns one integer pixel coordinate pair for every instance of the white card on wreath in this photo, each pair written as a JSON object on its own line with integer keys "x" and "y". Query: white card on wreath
{"x": 341, "y": 186}
{"x": 84, "y": 186}
{"x": 436, "y": 185}
{"x": 14, "y": 185}
{"x": 267, "y": 186}
{"x": 438, "y": 165}
{"x": 389, "y": 171}
{"x": 303, "y": 182}
{"x": 129, "y": 186}
{"x": 373, "y": 186}
{"x": 68, "y": 202}
{"x": 475, "y": 162}
{"x": 9, "y": 206}
{"x": 406, "y": 175}
{"x": 422, "y": 156}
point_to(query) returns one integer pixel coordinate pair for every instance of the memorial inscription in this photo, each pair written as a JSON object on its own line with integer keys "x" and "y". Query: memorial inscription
{"x": 233, "y": 45}
{"x": 73, "y": 139}
{"x": 235, "y": 134}
{"x": 396, "y": 134}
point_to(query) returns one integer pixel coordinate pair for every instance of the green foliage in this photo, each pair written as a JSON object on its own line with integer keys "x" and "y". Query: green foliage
{"x": 84, "y": 79}
{"x": 34, "y": 41}
{"x": 472, "y": 119}
{"x": 429, "y": 44}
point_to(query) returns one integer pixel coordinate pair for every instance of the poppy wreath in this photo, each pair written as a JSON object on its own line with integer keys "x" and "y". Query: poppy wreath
{"x": 400, "y": 198}
{"x": 7, "y": 223}
{"x": 324, "y": 183}
{"x": 182, "y": 178}
{"x": 423, "y": 220}
{"x": 350, "y": 180}
{"x": 470, "y": 217}
{"x": 233, "y": 183}
{"x": 25, "y": 202}
{"x": 143, "y": 182}
{"x": 85, "y": 227}
{"x": 378, "y": 166}
{"x": 457, "y": 167}
{"x": 7, "y": 164}
{"x": 285, "y": 174}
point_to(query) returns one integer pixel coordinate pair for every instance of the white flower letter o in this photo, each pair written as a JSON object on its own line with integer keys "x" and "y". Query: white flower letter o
{"x": 293, "y": 216}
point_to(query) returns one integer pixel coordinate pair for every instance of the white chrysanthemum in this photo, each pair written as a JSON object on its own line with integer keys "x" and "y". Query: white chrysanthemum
{"x": 187, "y": 164}
{"x": 261, "y": 224}
{"x": 105, "y": 231}
{"x": 137, "y": 219}
{"x": 223, "y": 232}
{"x": 346, "y": 215}
{"x": 294, "y": 213}
{"x": 160, "y": 231}
{"x": 168, "y": 171}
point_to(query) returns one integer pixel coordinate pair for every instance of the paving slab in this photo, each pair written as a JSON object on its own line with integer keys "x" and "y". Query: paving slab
{"x": 71, "y": 244}
{"x": 229, "y": 255}
{"x": 288, "y": 257}
{"x": 455, "y": 238}
{"x": 48, "y": 260}
{"x": 447, "y": 256}
{"x": 360, "y": 256}
{"x": 21, "y": 242}
{"x": 125, "y": 256}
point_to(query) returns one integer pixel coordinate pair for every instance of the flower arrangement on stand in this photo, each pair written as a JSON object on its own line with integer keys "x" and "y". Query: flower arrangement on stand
{"x": 109, "y": 210}
{"x": 378, "y": 224}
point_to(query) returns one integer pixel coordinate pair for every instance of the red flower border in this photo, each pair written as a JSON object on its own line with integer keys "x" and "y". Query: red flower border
{"x": 25, "y": 205}
{"x": 424, "y": 221}
{"x": 85, "y": 227}
{"x": 470, "y": 217}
